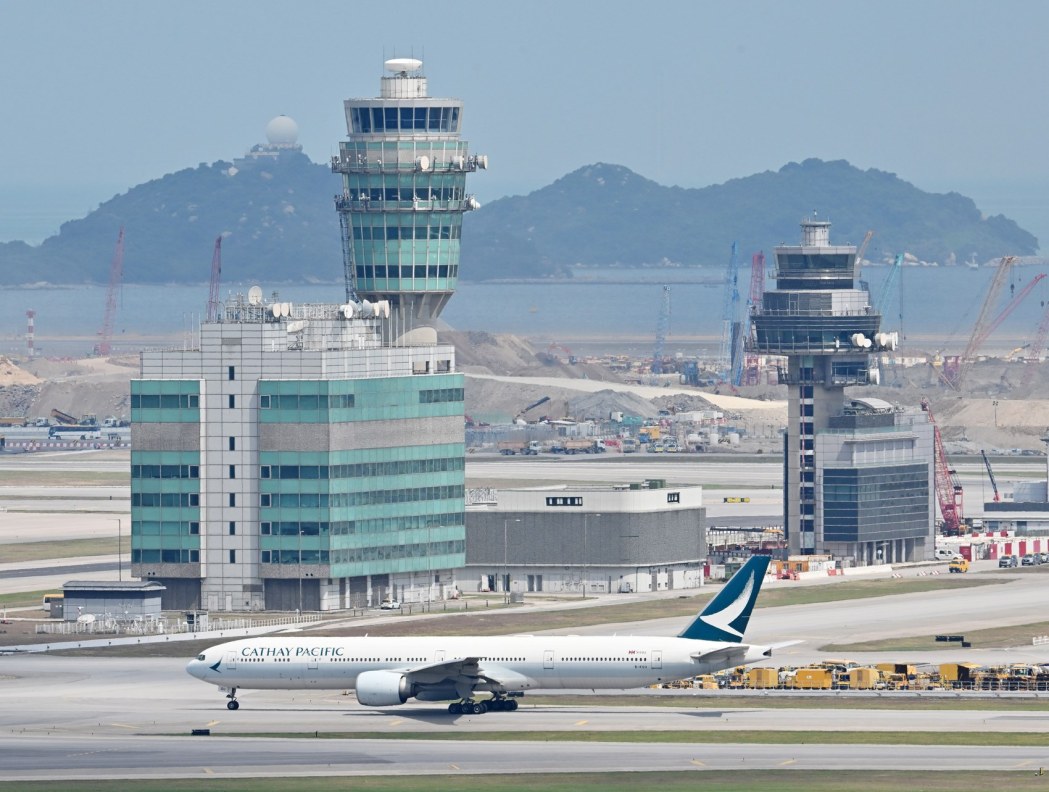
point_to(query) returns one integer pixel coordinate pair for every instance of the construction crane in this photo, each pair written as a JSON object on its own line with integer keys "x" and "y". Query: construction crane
{"x": 730, "y": 315}
{"x": 216, "y": 274}
{"x": 982, "y": 327}
{"x": 116, "y": 274}
{"x": 948, "y": 488}
{"x": 1034, "y": 351}
{"x": 879, "y": 308}
{"x": 990, "y": 475}
{"x": 749, "y": 372}
{"x": 662, "y": 328}
{"x": 863, "y": 246}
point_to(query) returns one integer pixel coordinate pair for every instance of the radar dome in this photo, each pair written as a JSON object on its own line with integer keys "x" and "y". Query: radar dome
{"x": 282, "y": 131}
{"x": 403, "y": 64}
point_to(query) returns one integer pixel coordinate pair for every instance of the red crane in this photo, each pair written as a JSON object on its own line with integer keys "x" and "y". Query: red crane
{"x": 216, "y": 273}
{"x": 751, "y": 372}
{"x": 948, "y": 488}
{"x": 116, "y": 274}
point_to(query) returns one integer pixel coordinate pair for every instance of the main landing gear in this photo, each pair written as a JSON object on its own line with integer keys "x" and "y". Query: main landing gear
{"x": 494, "y": 704}
{"x": 232, "y": 704}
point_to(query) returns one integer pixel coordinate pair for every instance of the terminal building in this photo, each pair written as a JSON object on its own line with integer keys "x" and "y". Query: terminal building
{"x": 586, "y": 540}
{"x": 858, "y": 475}
{"x": 312, "y": 456}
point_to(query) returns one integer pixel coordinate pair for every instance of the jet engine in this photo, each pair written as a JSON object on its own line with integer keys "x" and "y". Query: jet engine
{"x": 382, "y": 688}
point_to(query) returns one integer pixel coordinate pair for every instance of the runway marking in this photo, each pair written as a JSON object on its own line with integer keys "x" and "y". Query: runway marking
{"x": 397, "y": 722}
{"x": 454, "y": 767}
{"x": 788, "y": 762}
{"x": 582, "y": 723}
{"x": 124, "y": 725}
{"x": 1025, "y": 763}
{"x": 209, "y": 771}
{"x": 214, "y": 723}
{"x": 698, "y": 763}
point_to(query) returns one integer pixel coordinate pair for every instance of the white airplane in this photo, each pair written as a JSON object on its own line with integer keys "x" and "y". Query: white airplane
{"x": 388, "y": 671}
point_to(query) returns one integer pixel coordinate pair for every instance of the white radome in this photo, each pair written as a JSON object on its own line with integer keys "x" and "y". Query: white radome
{"x": 403, "y": 64}
{"x": 282, "y": 131}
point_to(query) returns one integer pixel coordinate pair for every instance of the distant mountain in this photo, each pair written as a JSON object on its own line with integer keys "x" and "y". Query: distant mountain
{"x": 606, "y": 215}
{"x": 277, "y": 216}
{"x": 280, "y": 224}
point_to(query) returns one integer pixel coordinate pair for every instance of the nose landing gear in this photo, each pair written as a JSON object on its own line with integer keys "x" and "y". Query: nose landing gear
{"x": 232, "y": 704}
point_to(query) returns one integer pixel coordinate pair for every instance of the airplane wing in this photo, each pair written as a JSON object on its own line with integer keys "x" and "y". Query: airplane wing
{"x": 729, "y": 655}
{"x": 463, "y": 670}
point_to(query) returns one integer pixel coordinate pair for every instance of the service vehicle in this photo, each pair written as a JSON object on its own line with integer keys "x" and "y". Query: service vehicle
{"x": 958, "y": 564}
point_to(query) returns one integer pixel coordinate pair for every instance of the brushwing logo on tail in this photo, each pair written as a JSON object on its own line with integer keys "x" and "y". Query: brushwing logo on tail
{"x": 724, "y": 618}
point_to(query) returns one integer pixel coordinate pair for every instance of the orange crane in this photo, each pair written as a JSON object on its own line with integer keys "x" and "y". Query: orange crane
{"x": 948, "y": 488}
{"x": 116, "y": 274}
{"x": 216, "y": 273}
{"x": 984, "y": 324}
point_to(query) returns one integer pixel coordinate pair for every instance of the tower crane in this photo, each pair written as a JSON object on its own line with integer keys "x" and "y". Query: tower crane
{"x": 948, "y": 487}
{"x": 990, "y": 475}
{"x": 730, "y": 315}
{"x": 1034, "y": 352}
{"x": 863, "y": 246}
{"x": 216, "y": 274}
{"x": 757, "y": 290}
{"x": 116, "y": 274}
{"x": 662, "y": 328}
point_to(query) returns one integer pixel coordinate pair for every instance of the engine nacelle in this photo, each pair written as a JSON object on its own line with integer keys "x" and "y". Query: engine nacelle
{"x": 382, "y": 688}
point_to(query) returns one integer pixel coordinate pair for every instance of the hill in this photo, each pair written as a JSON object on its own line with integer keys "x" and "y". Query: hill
{"x": 280, "y": 224}
{"x": 608, "y": 215}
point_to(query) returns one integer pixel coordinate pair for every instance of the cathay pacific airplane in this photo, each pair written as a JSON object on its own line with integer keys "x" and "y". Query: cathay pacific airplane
{"x": 388, "y": 671}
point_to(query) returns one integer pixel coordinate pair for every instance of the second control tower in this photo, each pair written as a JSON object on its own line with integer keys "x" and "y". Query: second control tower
{"x": 404, "y": 193}
{"x": 825, "y": 326}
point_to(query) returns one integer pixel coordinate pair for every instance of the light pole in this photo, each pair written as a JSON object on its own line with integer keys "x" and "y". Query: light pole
{"x": 995, "y": 405}
{"x": 120, "y": 549}
{"x": 506, "y": 574}
{"x": 586, "y": 570}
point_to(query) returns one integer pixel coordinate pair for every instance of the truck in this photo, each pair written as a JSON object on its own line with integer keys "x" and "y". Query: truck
{"x": 578, "y": 446}
{"x": 523, "y": 447}
{"x": 958, "y": 564}
{"x": 11, "y": 420}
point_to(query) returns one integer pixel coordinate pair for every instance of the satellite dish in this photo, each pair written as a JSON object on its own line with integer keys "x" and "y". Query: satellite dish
{"x": 254, "y": 295}
{"x": 482, "y": 161}
{"x": 347, "y": 310}
{"x": 87, "y": 618}
{"x": 423, "y": 162}
{"x": 275, "y": 310}
{"x": 297, "y": 326}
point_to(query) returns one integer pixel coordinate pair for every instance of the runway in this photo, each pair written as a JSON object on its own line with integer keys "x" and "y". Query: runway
{"x": 76, "y": 717}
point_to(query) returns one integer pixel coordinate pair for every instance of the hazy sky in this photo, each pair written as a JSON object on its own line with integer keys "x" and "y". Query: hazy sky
{"x": 951, "y": 96}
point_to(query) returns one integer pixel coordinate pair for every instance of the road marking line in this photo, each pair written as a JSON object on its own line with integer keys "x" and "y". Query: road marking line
{"x": 209, "y": 771}
{"x": 788, "y": 762}
{"x": 214, "y": 723}
{"x": 454, "y": 767}
{"x": 397, "y": 722}
{"x": 582, "y": 723}
{"x": 698, "y": 763}
{"x": 123, "y": 725}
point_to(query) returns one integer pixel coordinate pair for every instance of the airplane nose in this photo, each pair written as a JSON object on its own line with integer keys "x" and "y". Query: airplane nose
{"x": 196, "y": 668}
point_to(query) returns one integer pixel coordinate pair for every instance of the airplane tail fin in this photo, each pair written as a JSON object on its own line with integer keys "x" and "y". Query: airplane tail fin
{"x": 725, "y": 617}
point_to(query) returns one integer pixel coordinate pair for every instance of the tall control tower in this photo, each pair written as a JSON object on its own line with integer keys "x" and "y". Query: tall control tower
{"x": 404, "y": 193}
{"x": 825, "y": 326}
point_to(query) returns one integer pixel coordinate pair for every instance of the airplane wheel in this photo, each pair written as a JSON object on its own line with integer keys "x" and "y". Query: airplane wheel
{"x": 511, "y": 705}
{"x": 232, "y": 705}
{"x": 455, "y": 709}
{"x": 479, "y": 708}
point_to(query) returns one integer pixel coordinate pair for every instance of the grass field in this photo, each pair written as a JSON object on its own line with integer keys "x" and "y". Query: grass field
{"x": 991, "y": 637}
{"x": 14, "y": 477}
{"x": 71, "y": 548}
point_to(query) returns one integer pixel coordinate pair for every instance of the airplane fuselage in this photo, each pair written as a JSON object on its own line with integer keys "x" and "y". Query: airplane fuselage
{"x": 521, "y": 662}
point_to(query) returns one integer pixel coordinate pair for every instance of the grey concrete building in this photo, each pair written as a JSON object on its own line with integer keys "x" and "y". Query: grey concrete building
{"x": 590, "y": 540}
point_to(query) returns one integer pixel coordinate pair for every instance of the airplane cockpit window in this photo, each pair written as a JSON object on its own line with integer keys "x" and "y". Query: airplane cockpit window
{"x": 200, "y": 657}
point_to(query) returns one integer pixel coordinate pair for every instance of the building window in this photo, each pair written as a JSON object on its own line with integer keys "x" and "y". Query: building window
{"x": 233, "y": 556}
{"x": 264, "y": 528}
{"x": 265, "y": 556}
{"x": 232, "y": 372}
{"x": 232, "y": 401}
{"x": 233, "y": 444}
{"x": 564, "y": 501}
{"x": 264, "y": 471}
{"x": 194, "y": 528}
{"x": 265, "y": 499}
{"x": 233, "y": 499}
{"x": 232, "y": 528}
{"x": 264, "y": 401}
{"x": 673, "y": 497}
{"x": 232, "y": 471}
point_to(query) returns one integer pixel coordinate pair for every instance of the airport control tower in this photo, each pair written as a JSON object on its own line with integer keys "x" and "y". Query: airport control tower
{"x": 825, "y": 326}
{"x": 404, "y": 193}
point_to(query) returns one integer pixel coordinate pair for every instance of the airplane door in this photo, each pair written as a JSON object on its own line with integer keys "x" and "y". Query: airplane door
{"x": 231, "y": 661}
{"x": 438, "y": 656}
{"x": 657, "y": 658}
{"x": 548, "y": 658}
